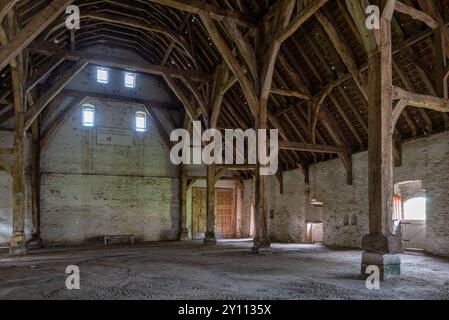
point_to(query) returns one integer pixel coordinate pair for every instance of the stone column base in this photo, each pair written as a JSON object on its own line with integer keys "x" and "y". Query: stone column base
{"x": 261, "y": 250}
{"x": 261, "y": 245}
{"x": 17, "y": 248}
{"x": 184, "y": 235}
{"x": 210, "y": 239}
{"x": 17, "y": 244}
{"x": 35, "y": 244}
{"x": 389, "y": 264}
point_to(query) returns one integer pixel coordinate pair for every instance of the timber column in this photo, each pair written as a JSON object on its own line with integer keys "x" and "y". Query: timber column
{"x": 262, "y": 241}
{"x": 17, "y": 244}
{"x": 210, "y": 206}
{"x": 381, "y": 247}
{"x": 184, "y": 231}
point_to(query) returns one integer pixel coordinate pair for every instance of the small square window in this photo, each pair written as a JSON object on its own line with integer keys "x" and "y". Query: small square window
{"x": 102, "y": 75}
{"x": 88, "y": 115}
{"x": 141, "y": 122}
{"x": 130, "y": 80}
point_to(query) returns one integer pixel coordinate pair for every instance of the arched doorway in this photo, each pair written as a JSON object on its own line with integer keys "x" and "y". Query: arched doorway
{"x": 411, "y": 215}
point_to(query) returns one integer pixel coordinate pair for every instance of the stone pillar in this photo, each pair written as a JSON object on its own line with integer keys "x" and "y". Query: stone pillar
{"x": 380, "y": 245}
{"x": 210, "y": 207}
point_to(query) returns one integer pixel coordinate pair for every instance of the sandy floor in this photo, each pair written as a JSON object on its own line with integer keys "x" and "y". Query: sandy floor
{"x": 228, "y": 271}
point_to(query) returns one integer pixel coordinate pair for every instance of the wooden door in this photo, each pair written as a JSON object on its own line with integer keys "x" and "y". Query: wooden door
{"x": 414, "y": 234}
{"x": 199, "y": 213}
{"x": 224, "y": 212}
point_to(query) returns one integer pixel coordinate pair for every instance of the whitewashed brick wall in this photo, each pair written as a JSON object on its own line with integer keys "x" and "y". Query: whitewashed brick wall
{"x": 425, "y": 159}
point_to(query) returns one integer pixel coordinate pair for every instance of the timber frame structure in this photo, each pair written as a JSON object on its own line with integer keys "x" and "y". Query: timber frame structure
{"x": 309, "y": 68}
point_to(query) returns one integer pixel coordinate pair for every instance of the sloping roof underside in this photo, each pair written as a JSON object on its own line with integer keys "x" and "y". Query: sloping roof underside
{"x": 307, "y": 58}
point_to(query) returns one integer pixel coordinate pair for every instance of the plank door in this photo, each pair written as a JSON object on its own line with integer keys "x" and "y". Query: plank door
{"x": 199, "y": 213}
{"x": 224, "y": 212}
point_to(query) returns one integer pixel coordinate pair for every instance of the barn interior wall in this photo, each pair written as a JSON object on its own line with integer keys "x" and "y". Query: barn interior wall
{"x": 6, "y": 200}
{"x": 425, "y": 159}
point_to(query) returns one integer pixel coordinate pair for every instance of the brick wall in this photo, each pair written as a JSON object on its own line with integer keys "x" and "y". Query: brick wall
{"x": 425, "y": 159}
{"x": 90, "y": 190}
{"x": 7, "y": 141}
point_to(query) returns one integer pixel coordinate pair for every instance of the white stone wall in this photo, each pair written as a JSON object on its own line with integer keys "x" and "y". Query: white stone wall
{"x": 91, "y": 190}
{"x": 6, "y": 203}
{"x": 426, "y": 159}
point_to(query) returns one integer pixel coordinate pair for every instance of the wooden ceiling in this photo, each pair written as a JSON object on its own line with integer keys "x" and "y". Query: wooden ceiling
{"x": 322, "y": 62}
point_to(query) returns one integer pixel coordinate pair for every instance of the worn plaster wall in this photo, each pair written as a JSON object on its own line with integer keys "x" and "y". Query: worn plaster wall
{"x": 425, "y": 159}
{"x": 90, "y": 190}
{"x": 6, "y": 203}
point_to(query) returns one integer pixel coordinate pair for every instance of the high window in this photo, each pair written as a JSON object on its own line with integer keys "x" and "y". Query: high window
{"x": 130, "y": 80}
{"x": 88, "y": 115}
{"x": 102, "y": 75}
{"x": 141, "y": 122}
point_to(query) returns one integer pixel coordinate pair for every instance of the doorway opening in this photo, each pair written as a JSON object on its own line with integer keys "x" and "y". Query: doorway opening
{"x": 225, "y": 226}
{"x": 314, "y": 222}
{"x": 410, "y": 214}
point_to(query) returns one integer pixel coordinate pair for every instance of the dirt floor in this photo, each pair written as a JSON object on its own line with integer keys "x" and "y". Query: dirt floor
{"x": 189, "y": 270}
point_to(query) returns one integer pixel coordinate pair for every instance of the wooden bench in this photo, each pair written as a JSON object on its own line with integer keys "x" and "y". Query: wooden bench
{"x": 119, "y": 238}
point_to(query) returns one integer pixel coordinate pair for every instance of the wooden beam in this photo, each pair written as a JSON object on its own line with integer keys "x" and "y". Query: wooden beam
{"x": 217, "y": 13}
{"x": 269, "y": 53}
{"x": 244, "y": 46}
{"x": 317, "y": 103}
{"x": 22, "y": 39}
{"x": 44, "y": 71}
{"x": 217, "y": 94}
{"x": 237, "y": 167}
{"x": 290, "y": 93}
{"x": 417, "y": 14}
{"x": 5, "y": 165}
{"x": 115, "y": 62}
{"x": 357, "y": 10}
{"x": 343, "y": 51}
{"x": 165, "y": 136}
{"x": 136, "y": 24}
{"x": 190, "y": 110}
{"x": 231, "y": 61}
{"x": 397, "y": 111}
{"x": 53, "y": 127}
{"x": 5, "y": 7}
{"x": 6, "y": 151}
{"x": 57, "y": 87}
{"x": 112, "y": 97}
{"x": 421, "y": 100}
{"x": 300, "y": 19}
{"x": 309, "y": 147}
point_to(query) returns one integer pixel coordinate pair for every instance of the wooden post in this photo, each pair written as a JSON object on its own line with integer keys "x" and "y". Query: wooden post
{"x": 380, "y": 244}
{"x": 380, "y": 160}
{"x": 210, "y": 206}
{"x": 35, "y": 180}
{"x": 183, "y": 231}
{"x": 17, "y": 244}
{"x": 262, "y": 240}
